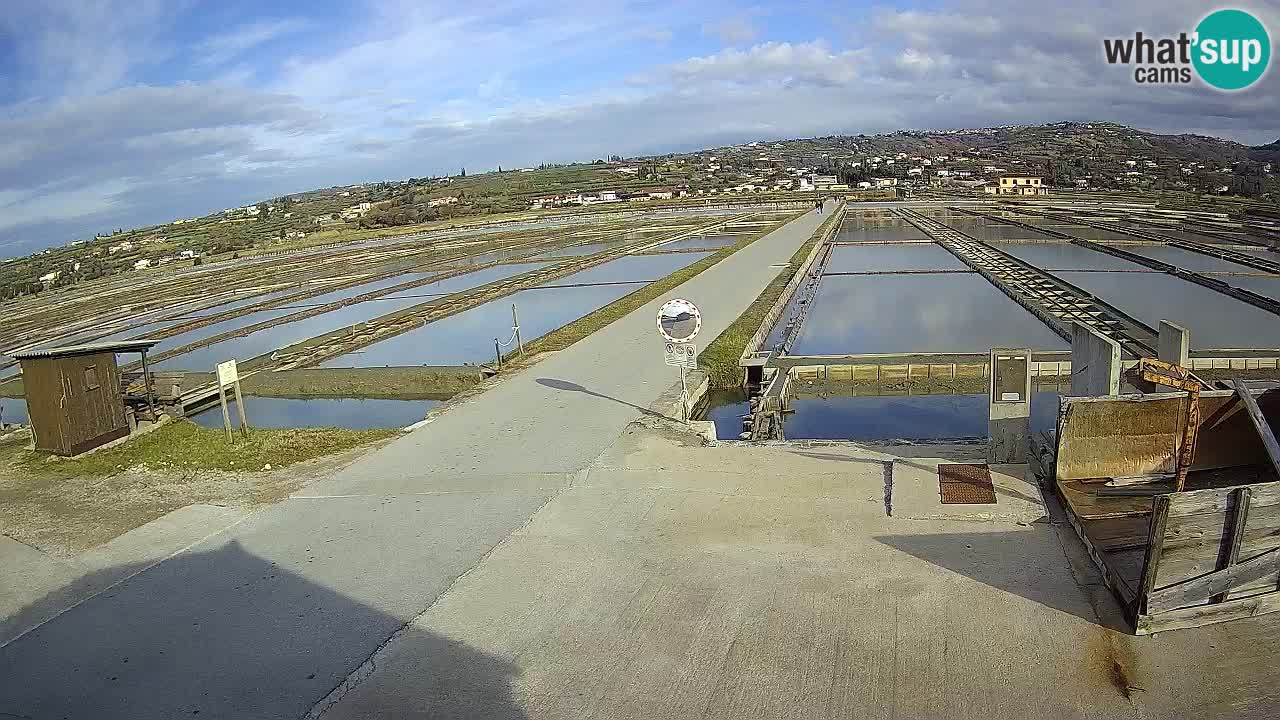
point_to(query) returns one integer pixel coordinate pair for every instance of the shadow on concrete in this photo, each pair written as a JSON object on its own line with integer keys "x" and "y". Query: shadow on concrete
{"x": 567, "y": 386}
{"x": 227, "y": 634}
{"x": 951, "y": 455}
{"x": 1004, "y": 560}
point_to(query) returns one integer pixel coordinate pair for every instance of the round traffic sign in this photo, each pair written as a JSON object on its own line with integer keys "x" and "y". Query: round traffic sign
{"x": 679, "y": 321}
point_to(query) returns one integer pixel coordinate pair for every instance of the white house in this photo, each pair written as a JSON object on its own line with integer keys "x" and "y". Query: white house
{"x": 915, "y": 172}
{"x": 142, "y": 264}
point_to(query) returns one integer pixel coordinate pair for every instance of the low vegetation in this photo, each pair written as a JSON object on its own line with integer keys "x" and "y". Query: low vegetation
{"x": 720, "y": 358}
{"x": 186, "y": 446}
{"x": 65, "y": 507}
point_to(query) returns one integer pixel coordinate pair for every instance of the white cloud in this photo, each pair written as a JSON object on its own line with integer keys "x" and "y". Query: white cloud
{"x": 225, "y": 47}
{"x": 790, "y": 64}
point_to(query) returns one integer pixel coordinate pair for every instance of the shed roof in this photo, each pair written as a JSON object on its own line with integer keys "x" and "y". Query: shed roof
{"x": 89, "y": 349}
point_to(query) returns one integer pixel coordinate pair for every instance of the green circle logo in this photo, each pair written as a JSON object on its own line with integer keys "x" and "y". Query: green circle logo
{"x": 1232, "y": 49}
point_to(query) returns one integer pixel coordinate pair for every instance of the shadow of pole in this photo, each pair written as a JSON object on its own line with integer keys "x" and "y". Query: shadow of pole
{"x": 567, "y": 386}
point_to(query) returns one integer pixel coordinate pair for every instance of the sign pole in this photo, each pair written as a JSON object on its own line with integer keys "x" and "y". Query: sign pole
{"x": 515, "y": 321}
{"x": 226, "y": 416}
{"x": 229, "y": 377}
{"x": 684, "y": 397}
{"x": 244, "y": 423}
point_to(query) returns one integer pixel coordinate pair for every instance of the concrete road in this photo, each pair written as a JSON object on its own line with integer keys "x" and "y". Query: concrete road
{"x": 268, "y": 618}
{"x": 769, "y": 582}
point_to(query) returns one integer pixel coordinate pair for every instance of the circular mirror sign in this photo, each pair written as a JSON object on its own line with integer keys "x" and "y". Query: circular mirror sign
{"x": 679, "y": 320}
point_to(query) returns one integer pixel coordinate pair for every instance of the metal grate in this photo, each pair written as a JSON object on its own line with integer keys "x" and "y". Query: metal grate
{"x": 962, "y": 484}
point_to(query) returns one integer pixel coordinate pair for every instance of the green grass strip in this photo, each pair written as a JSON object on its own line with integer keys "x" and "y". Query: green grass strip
{"x": 183, "y": 445}
{"x": 720, "y": 358}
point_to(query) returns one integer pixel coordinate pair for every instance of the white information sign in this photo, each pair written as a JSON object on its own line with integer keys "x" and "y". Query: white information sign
{"x": 684, "y": 355}
{"x": 227, "y": 373}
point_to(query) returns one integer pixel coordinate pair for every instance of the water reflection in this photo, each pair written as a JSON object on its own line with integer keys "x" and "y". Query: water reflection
{"x": 349, "y": 413}
{"x": 905, "y": 417}
{"x": 1215, "y": 320}
{"x": 701, "y": 241}
{"x": 872, "y": 417}
{"x": 1065, "y": 256}
{"x": 1187, "y": 259}
{"x": 892, "y": 258}
{"x": 917, "y": 313}
{"x": 467, "y": 338}
{"x": 13, "y": 411}
{"x": 279, "y": 336}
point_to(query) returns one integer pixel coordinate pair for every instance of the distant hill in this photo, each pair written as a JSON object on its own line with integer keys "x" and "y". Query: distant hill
{"x": 1029, "y": 142}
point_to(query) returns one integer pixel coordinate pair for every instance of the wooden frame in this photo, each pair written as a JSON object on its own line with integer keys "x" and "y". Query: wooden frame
{"x": 1207, "y": 555}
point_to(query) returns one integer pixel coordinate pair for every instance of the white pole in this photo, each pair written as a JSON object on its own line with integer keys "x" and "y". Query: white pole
{"x": 684, "y": 397}
{"x": 516, "y": 322}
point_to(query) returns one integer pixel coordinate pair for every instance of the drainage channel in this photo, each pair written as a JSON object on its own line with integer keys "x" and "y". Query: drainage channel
{"x": 1056, "y": 302}
{"x": 1248, "y": 296}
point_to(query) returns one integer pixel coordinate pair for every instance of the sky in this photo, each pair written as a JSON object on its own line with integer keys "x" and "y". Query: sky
{"x": 131, "y": 112}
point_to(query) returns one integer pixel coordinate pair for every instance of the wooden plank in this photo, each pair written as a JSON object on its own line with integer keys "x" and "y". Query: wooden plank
{"x": 1199, "y": 590}
{"x": 1259, "y": 422}
{"x": 1155, "y": 545}
{"x": 1123, "y": 592}
{"x": 1122, "y": 533}
{"x": 1084, "y": 501}
{"x": 1193, "y": 546}
{"x": 1219, "y": 500}
{"x": 1231, "y": 549}
{"x": 1201, "y": 615}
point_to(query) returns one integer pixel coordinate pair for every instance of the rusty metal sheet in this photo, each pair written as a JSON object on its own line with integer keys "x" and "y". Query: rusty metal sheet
{"x": 965, "y": 484}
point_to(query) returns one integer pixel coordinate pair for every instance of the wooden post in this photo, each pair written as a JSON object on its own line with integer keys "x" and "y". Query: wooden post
{"x": 1155, "y": 547}
{"x": 1259, "y": 422}
{"x": 244, "y": 423}
{"x": 146, "y": 380}
{"x": 497, "y": 351}
{"x": 226, "y": 416}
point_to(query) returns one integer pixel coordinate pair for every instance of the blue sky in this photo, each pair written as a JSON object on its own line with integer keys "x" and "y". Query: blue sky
{"x": 120, "y": 113}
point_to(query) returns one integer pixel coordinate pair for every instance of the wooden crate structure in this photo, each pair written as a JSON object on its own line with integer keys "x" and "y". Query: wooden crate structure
{"x": 74, "y": 398}
{"x": 1178, "y": 559}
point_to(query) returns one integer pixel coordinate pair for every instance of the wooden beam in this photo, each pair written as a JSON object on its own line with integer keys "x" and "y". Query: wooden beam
{"x": 1259, "y": 422}
{"x": 1208, "y": 614}
{"x": 1198, "y": 590}
{"x": 1234, "y": 537}
{"x": 1155, "y": 546}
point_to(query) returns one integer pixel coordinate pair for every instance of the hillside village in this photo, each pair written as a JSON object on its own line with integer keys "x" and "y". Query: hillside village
{"x": 1060, "y": 157}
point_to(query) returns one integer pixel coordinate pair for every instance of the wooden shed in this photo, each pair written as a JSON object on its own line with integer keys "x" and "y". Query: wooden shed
{"x": 74, "y": 398}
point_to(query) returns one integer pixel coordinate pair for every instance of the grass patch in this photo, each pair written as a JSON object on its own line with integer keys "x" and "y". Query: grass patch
{"x": 720, "y": 358}
{"x": 625, "y": 305}
{"x": 394, "y": 383}
{"x": 186, "y": 446}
